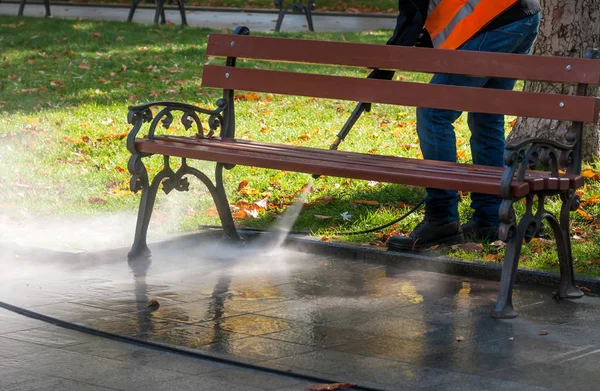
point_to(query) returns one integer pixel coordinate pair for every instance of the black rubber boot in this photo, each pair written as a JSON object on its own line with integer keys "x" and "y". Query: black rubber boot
{"x": 480, "y": 232}
{"x": 427, "y": 234}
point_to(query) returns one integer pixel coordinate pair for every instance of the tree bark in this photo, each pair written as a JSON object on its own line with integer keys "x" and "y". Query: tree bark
{"x": 568, "y": 28}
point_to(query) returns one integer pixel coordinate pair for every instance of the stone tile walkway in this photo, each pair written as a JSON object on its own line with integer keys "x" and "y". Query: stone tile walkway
{"x": 256, "y": 21}
{"x": 379, "y": 326}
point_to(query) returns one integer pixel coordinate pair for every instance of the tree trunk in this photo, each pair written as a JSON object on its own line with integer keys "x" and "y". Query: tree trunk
{"x": 568, "y": 28}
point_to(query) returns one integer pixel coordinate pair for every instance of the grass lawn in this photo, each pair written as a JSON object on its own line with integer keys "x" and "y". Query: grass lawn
{"x": 64, "y": 91}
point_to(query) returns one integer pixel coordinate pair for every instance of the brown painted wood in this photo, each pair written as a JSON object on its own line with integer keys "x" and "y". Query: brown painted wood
{"x": 537, "y": 180}
{"x": 513, "y": 66}
{"x": 484, "y": 100}
{"x": 465, "y": 181}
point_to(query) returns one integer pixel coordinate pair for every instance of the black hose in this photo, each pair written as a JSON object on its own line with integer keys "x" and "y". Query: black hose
{"x": 366, "y": 231}
{"x": 169, "y": 348}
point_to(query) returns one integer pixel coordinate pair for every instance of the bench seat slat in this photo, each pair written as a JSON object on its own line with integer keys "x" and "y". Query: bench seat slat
{"x": 397, "y": 173}
{"x": 479, "y": 100}
{"x": 539, "y": 68}
{"x": 537, "y": 180}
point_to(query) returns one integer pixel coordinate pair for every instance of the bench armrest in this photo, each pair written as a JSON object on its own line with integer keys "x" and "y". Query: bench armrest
{"x": 140, "y": 114}
{"x": 530, "y": 153}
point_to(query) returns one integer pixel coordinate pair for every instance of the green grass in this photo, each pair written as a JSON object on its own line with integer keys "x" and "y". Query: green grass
{"x": 64, "y": 91}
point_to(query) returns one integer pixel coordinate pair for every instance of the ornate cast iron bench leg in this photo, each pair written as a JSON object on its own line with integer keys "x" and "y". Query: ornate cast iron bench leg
{"x": 169, "y": 179}
{"x": 22, "y": 8}
{"x": 298, "y": 7}
{"x": 518, "y": 157}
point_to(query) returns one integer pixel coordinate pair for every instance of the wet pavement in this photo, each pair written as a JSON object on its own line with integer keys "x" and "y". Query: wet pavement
{"x": 215, "y": 19}
{"x": 378, "y": 326}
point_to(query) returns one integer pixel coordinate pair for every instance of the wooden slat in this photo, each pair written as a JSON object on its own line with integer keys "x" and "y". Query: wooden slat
{"x": 396, "y": 173}
{"x": 483, "y": 100}
{"x": 513, "y": 66}
{"x": 537, "y": 180}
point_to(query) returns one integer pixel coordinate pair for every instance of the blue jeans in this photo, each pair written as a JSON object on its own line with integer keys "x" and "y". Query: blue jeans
{"x": 436, "y": 131}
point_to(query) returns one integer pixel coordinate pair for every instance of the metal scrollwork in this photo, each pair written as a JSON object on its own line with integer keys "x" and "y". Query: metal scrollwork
{"x": 138, "y": 115}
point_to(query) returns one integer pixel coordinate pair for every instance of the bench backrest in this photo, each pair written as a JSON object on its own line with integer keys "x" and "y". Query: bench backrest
{"x": 579, "y": 72}
{"x": 521, "y": 67}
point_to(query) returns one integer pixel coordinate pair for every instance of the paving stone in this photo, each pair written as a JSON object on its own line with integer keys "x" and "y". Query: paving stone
{"x": 320, "y": 336}
{"x": 353, "y": 368}
{"x": 253, "y": 324}
{"x": 253, "y": 378}
{"x": 548, "y": 375}
{"x": 50, "y": 336}
{"x": 12, "y": 347}
{"x": 196, "y": 383}
{"x": 256, "y": 348}
{"x": 476, "y": 383}
{"x": 172, "y": 362}
{"x": 72, "y": 312}
{"x": 51, "y": 383}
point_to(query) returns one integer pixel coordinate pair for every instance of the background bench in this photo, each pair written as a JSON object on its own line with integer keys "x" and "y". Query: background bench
{"x": 557, "y": 162}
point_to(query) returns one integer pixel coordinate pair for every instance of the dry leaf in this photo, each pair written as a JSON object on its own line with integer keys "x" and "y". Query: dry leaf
{"x": 513, "y": 122}
{"x": 84, "y": 66}
{"x": 240, "y": 214}
{"x": 96, "y": 200}
{"x": 212, "y": 212}
{"x": 331, "y": 386}
{"x": 469, "y": 247}
{"x": 460, "y": 339}
{"x": 325, "y": 239}
{"x": 543, "y": 332}
{"x": 585, "y": 215}
{"x": 366, "y": 202}
{"x": 262, "y": 204}
{"x": 252, "y": 96}
{"x": 321, "y": 217}
{"x": 242, "y": 184}
{"x": 588, "y": 173}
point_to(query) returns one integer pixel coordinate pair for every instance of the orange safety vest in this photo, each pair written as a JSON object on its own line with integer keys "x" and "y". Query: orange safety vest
{"x": 450, "y": 23}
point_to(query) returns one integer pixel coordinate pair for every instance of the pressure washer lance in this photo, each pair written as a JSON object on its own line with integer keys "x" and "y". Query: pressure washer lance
{"x": 360, "y": 108}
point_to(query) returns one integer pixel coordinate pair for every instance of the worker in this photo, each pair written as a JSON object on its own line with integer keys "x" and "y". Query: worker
{"x": 505, "y": 26}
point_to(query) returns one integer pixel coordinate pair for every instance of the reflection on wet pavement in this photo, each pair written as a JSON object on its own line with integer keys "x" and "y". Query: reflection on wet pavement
{"x": 383, "y": 326}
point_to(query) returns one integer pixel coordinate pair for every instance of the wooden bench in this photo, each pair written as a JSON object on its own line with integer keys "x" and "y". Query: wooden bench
{"x": 216, "y": 142}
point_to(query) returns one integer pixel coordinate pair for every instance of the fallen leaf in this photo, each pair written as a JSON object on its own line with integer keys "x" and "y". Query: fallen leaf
{"x": 212, "y": 212}
{"x": 513, "y": 122}
{"x": 325, "y": 239}
{"x": 366, "y": 202}
{"x": 320, "y": 217}
{"x": 96, "y": 35}
{"x": 242, "y": 184}
{"x": 585, "y": 215}
{"x": 96, "y": 200}
{"x": 330, "y": 386}
{"x": 460, "y": 339}
{"x": 588, "y": 173}
{"x": 252, "y": 96}
{"x": 240, "y": 214}
{"x": 262, "y": 203}
{"x": 491, "y": 257}
{"x": 543, "y": 332}
{"x": 469, "y": 247}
